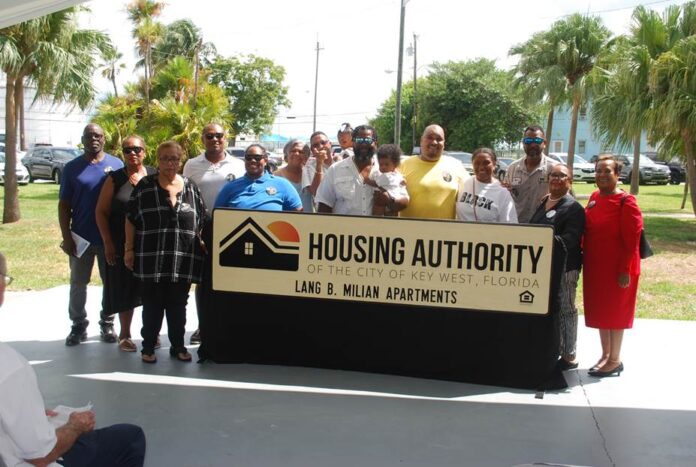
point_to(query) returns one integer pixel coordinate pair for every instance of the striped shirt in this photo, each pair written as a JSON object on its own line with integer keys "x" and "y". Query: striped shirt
{"x": 167, "y": 246}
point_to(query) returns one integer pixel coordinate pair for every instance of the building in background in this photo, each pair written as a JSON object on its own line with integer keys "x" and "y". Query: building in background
{"x": 45, "y": 123}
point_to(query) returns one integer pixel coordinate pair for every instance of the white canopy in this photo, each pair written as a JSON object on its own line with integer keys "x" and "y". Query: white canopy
{"x": 16, "y": 11}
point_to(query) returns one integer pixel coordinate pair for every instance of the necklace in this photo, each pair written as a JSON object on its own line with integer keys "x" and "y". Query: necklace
{"x": 553, "y": 200}
{"x": 135, "y": 177}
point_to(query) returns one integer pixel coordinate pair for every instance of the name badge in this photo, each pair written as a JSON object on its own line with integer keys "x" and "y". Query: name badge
{"x": 551, "y": 214}
{"x": 271, "y": 190}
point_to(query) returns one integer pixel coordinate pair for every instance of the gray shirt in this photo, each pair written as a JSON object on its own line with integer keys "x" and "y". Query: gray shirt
{"x": 527, "y": 188}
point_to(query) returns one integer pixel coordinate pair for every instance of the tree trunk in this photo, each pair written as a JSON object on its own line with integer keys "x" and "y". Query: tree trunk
{"x": 19, "y": 102}
{"x": 549, "y": 128}
{"x": 635, "y": 170}
{"x": 573, "y": 132}
{"x": 686, "y": 191}
{"x": 113, "y": 79}
{"x": 11, "y": 203}
{"x": 690, "y": 166}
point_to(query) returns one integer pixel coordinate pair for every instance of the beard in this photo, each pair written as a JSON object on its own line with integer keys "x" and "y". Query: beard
{"x": 364, "y": 154}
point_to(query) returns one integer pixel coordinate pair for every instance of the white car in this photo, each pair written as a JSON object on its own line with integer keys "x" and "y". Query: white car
{"x": 20, "y": 170}
{"x": 583, "y": 171}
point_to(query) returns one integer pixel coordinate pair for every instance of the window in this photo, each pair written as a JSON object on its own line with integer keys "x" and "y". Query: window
{"x": 557, "y": 146}
{"x": 582, "y": 146}
{"x": 249, "y": 248}
{"x": 583, "y": 113}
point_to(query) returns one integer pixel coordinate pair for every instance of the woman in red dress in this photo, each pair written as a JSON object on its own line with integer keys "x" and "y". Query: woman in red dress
{"x": 611, "y": 264}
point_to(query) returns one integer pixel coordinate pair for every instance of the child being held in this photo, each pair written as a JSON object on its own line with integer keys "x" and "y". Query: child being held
{"x": 389, "y": 180}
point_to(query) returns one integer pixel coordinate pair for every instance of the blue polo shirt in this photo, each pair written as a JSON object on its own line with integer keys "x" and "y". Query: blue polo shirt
{"x": 80, "y": 185}
{"x": 266, "y": 193}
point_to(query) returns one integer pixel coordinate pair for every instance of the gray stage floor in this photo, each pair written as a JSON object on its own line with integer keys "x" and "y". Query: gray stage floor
{"x": 255, "y": 415}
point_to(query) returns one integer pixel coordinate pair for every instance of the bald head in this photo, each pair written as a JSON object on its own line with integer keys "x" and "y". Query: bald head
{"x": 432, "y": 143}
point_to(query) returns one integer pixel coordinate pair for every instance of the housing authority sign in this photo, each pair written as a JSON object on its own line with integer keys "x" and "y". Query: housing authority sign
{"x": 449, "y": 264}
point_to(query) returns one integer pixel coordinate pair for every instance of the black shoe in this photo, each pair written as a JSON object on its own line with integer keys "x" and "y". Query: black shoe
{"x": 196, "y": 337}
{"x": 107, "y": 333}
{"x": 565, "y": 365}
{"x": 602, "y": 374}
{"x": 76, "y": 336}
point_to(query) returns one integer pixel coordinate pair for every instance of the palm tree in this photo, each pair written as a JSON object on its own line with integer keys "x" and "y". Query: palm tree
{"x": 674, "y": 91}
{"x": 59, "y": 59}
{"x": 622, "y": 100}
{"x": 181, "y": 38}
{"x": 111, "y": 66}
{"x": 146, "y": 32}
{"x": 538, "y": 77}
{"x": 577, "y": 42}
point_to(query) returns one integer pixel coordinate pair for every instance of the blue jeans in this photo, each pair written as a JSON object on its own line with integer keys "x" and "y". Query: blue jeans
{"x": 80, "y": 274}
{"x": 120, "y": 445}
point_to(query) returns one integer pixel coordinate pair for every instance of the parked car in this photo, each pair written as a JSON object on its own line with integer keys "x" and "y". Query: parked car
{"x": 676, "y": 168}
{"x": 650, "y": 172}
{"x": 274, "y": 160}
{"x": 20, "y": 170}
{"x": 583, "y": 171}
{"x": 464, "y": 158}
{"x": 47, "y": 162}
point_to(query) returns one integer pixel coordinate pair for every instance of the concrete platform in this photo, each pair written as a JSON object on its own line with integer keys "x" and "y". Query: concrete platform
{"x": 255, "y": 415}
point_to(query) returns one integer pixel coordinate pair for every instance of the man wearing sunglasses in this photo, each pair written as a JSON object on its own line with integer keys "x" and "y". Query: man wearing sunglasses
{"x": 211, "y": 171}
{"x": 344, "y": 189}
{"x": 528, "y": 178}
{"x": 80, "y": 186}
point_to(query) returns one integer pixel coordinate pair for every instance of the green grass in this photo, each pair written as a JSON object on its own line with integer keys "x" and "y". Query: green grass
{"x": 652, "y": 199}
{"x": 667, "y": 288}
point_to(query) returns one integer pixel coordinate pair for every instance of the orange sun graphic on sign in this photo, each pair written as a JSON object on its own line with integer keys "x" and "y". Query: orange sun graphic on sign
{"x": 284, "y": 231}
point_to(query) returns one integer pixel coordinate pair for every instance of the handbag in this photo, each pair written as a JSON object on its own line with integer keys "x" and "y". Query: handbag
{"x": 644, "y": 248}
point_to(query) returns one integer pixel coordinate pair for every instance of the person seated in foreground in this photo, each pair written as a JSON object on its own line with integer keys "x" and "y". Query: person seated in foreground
{"x": 27, "y": 436}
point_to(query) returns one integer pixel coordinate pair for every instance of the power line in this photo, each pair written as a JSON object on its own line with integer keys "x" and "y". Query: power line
{"x": 597, "y": 12}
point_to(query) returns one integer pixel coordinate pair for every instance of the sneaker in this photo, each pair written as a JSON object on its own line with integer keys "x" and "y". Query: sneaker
{"x": 107, "y": 333}
{"x": 77, "y": 335}
{"x": 196, "y": 337}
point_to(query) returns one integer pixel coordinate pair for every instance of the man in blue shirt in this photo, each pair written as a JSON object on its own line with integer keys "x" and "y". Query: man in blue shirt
{"x": 82, "y": 181}
{"x": 258, "y": 189}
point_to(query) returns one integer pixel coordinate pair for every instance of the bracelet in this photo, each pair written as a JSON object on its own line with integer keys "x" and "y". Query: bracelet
{"x": 318, "y": 172}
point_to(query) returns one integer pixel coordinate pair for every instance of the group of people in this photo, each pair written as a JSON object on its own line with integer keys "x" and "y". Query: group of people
{"x": 145, "y": 226}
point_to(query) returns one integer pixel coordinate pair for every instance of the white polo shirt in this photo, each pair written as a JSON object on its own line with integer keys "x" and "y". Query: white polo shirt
{"x": 210, "y": 177}
{"x": 25, "y": 432}
{"x": 344, "y": 190}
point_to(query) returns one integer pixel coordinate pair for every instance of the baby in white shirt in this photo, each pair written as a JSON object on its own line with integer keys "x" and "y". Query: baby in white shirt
{"x": 389, "y": 179}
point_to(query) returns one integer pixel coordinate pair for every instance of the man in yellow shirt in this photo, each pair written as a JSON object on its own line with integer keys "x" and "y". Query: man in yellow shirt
{"x": 432, "y": 179}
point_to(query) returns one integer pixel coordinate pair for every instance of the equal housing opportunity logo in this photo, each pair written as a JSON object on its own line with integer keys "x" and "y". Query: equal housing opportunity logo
{"x": 250, "y": 246}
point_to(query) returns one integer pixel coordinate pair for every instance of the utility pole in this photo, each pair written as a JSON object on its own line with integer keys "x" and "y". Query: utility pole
{"x": 316, "y": 83}
{"x": 196, "y": 51}
{"x": 399, "y": 72}
{"x": 415, "y": 90}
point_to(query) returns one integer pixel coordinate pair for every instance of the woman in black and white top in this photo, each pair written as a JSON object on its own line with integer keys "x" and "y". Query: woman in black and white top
{"x": 482, "y": 198}
{"x": 163, "y": 247}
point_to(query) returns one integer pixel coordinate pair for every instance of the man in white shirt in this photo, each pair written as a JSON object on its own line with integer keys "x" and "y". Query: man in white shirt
{"x": 344, "y": 189}
{"x": 27, "y": 437}
{"x": 211, "y": 171}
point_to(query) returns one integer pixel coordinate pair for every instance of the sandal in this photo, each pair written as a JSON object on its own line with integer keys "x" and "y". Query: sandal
{"x": 127, "y": 345}
{"x": 158, "y": 343}
{"x": 149, "y": 358}
{"x": 182, "y": 356}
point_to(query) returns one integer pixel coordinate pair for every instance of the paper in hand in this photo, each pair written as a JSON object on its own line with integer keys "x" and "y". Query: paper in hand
{"x": 81, "y": 244}
{"x": 64, "y": 414}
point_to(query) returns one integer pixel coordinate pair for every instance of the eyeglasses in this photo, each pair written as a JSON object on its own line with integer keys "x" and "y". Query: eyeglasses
{"x": 364, "y": 140}
{"x": 535, "y": 140}
{"x": 133, "y": 150}
{"x": 319, "y": 144}
{"x": 170, "y": 160}
{"x": 6, "y": 279}
{"x": 558, "y": 176}
{"x": 254, "y": 157}
{"x": 211, "y": 136}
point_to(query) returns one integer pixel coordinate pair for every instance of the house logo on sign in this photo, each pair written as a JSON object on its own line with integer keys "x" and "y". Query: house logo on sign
{"x": 250, "y": 246}
{"x": 527, "y": 297}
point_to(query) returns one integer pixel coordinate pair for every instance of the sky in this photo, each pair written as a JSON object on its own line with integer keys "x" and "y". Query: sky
{"x": 358, "y": 40}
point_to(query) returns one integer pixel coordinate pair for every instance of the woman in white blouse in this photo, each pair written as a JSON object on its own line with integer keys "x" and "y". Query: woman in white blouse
{"x": 482, "y": 198}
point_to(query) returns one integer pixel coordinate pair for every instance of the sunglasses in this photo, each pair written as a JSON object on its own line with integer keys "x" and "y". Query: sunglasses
{"x": 253, "y": 157}
{"x": 364, "y": 140}
{"x": 211, "y": 136}
{"x": 133, "y": 150}
{"x": 535, "y": 140}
